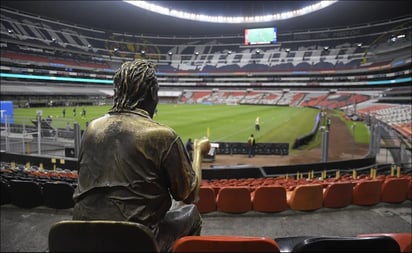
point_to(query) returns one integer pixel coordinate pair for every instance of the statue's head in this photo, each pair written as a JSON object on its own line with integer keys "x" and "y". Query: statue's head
{"x": 135, "y": 86}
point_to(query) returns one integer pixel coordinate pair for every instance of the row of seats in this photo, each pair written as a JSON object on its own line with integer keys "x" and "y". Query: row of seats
{"x": 29, "y": 194}
{"x": 115, "y": 236}
{"x": 305, "y": 196}
{"x": 238, "y": 196}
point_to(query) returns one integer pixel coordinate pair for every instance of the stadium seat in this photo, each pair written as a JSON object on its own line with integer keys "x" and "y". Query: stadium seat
{"x": 58, "y": 195}
{"x": 234, "y": 200}
{"x": 287, "y": 243}
{"x": 269, "y": 199}
{"x": 207, "y": 199}
{"x": 225, "y": 243}
{"x": 394, "y": 190}
{"x": 25, "y": 194}
{"x": 410, "y": 189}
{"x": 347, "y": 244}
{"x": 100, "y": 236}
{"x": 367, "y": 192}
{"x": 403, "y": 239}
{"x": 338, "y": 194}
{"x": 5, "y": 192}
{"x": 305, "y": 197}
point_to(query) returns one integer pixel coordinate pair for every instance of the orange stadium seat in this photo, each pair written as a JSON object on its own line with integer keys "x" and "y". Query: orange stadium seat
{"x": 305, "y": 197}
{"x": 207, "y": 199}
{"x": 394, "y": 190}
{"x": 367, "y": 192}
{"x": 269, "y": 198}
{"x": 225, "y": 243}
{"x": 338, "y": 194}
{"x": 234, "y": 199}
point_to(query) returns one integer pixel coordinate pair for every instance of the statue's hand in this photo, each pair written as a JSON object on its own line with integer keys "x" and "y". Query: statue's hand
{"x": 202, "y": 145}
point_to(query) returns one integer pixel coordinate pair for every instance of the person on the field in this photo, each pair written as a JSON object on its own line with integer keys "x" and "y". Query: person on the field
{"x": 257, "y": 124}
{"x": 189, "y": 148}
{"x": 251, "y": 142}
{"x": 132, "y": 168}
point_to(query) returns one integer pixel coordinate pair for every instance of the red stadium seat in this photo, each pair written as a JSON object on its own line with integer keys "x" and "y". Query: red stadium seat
{"x": 367, "y": 192}
{"x": 306, "y": 197}
{"x": 207, "y": 199}
{"x": 337, "y": 195}
{"x": 269, "y": 199}
{"x": 394, "y": 190}
{"x": 234, "y": 200}
{"x": 225, "y": 243}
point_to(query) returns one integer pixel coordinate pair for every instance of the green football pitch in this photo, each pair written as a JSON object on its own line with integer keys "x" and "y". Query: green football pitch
{"x": 221, "y": 123}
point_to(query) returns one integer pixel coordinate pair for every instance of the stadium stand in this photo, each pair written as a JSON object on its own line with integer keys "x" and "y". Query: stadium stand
{"x": 364, "y": 70}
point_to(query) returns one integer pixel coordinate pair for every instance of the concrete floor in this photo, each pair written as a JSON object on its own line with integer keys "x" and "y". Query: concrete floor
{"x": 26, "y": 230}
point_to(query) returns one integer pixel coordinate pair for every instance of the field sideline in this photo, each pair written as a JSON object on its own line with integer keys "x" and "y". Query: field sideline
{"x": 221, "y": 123}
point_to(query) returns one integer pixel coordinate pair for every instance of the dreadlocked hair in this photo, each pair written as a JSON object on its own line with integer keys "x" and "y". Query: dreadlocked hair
{"x": 132, "y": 82}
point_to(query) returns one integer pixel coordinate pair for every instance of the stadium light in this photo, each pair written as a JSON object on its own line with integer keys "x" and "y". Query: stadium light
{"x": 150, "y": 6}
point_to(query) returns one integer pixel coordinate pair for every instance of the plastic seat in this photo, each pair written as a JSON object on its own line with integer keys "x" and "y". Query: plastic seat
{"x": 394, "y": 190}
{"x": 5, "y": 192}
{"x": 101, "y": 236}
{"x": 58, "y": 195}
{"x": 347, "y": 244}
{"x": 305, "y": 197}
{"x": 367, "y": 192}
{"x": 269, "y": 199}
{"x": 403, "y": 239}
{"x": 207, "y": 200}
{"x": 338, "y": 195}
{"x": 25, "y": 194}
{"x": 234, "y": 200}
{"x": 225, "y": 243}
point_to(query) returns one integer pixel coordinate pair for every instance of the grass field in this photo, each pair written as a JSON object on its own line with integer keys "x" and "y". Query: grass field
{"x": 226, "y": 123}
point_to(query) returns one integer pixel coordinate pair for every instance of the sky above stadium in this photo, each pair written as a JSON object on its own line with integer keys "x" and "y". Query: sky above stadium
{"x": 118, "y": 16}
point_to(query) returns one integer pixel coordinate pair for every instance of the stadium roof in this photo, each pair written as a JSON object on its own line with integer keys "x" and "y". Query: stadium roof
{"x": 118, "y": 16}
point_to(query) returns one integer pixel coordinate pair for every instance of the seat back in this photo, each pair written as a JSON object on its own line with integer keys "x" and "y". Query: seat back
{"x": 103, "y": 236}
{"x": 367, "y": 192}
{"x": 403, "y": 239}
{"x": 234, "y": 199}
{"x": 269, "y": 199}
{"x": 306, "y": 197}
{"x": 347, "y": 244}
{"x": 225, "y": 243}
{"x": 58, "y": 195}
{"x": 394, "y": 190}
{"x": 5, "y": 192}
{"x": 337, "y": 195}
{"x": 25, "y": 194}
{"x": 207, "y": 199}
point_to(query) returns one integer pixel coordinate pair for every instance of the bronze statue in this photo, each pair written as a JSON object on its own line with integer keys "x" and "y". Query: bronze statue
{"x": 131, "y": 168}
